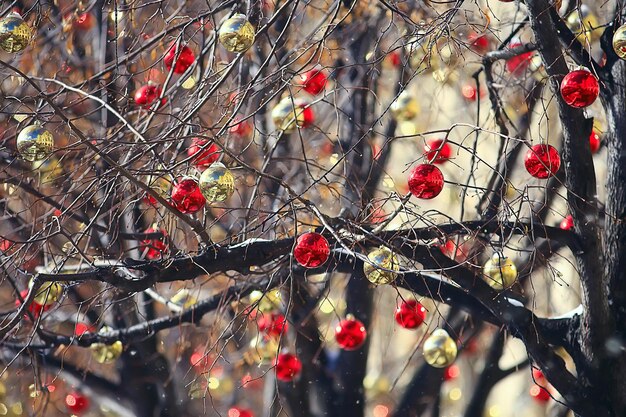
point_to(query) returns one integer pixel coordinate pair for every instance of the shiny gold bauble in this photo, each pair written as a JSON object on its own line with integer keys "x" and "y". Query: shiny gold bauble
{"x": 263, "y": 349}
{"x": 585, "y": 25}
{"x": 619, "y": 42}
{"x": 104, "y": 353}
{"x": 405, "y": 107}
{"x": 15, "y": 34}
{"x": 266, "y": 302}
{"x": 383, "y": 267}
{"x": 159, "y": 184}
{"x": 237, "y": 34}
{"x": 440, "y": 349}
{"x": 35, "y": 143}
{"x": 48, "y": 293}
{"x": 499, "y": 272}
{"x": 217, "y": 183}
{"x": 288, "y": 114}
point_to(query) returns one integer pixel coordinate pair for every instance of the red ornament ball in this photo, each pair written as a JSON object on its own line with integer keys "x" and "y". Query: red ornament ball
{"x": 313, "y": 81}
{"x": 394, "y": 58}
{"x": 147, "y": 94}
{"x": 35, "y": 308}
{"x": 184, "y": 60}
{"x": 203, "y": 155}
{"x": 479, "y": 43}
{"x": 451, "y": 372}
{"x": 437, "y": 151}
{"x": 567, "y": 223}
{"x": 288, "y": 367}
{"x": 580, "y": 88}
{"x": 239, "y": 412}
{"x": 518, "y": 64}
{"x": 542, "y": 161}
{"x": 156, "y": 248}
{"x": 84, "y": 21}
{"x": 273, "y": 324}
{"x": 241, "y": 128}
{"x": 187, "y": 197}
{"x": 539, "y": 394}
{"x": 425, "y": 181}
{"x": 410, "y": 314}
{"x": 469, "y": 92}
{"x": 350, "y": 333}
{"x": 82, "y": 328}
{"x": 76, "y": 403}
{"x": 594, "y": 141}
{"x": 311, "y": 250}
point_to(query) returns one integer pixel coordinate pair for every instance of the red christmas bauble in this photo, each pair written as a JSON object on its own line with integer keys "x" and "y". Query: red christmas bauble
{"x": 185, "y": 58}
{"x": 580, "y": 88}
{"x": 35, "y": 308}
{"x": 308, "y": 117}
{"x": 542, "y": 161}
{"x": 203, "y": 158}
{"x": 425, "y": 181}
{"x": 518, "y": 64}
{"x": 437, "y": 151}
{"x": 156, "y": 248}
{"x": 469, "y": 92}
{"x": 311, "y": 250}
{"x": 567, "y": 223}
{"x": 539, "y": 394}
{"x": 239, "y": 412}
{"x": 84, "y": 21}
{"x": 594, "y": 141}
{"x": 410, "y": 314}
{"x": 350, "y": 334}
{"x": 288, "y": 367}
{"x": 241, "y": 128}
{"x": 187, "y": 197}
{"x": 479, "y": 43}
{"x": 76, "y": 403}
{"x": 451, "y": 372}
{"x": 82, "y": 328}
{"x": 394, "y": 58}
{"x": 313, "y": 81}
{"x": 273, "y": 324}
{"x": 146, "y": 95}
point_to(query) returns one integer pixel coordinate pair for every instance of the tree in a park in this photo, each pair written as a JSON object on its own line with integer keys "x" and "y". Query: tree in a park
{"x": 333, "y": 208}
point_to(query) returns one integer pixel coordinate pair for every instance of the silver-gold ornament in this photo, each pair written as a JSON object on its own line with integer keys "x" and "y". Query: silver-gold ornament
{"x": 382, "y": 267}
{"x": 237, "y": 34}
{"x": 217, "y": 183}
{"x": 35, "y": 143}
{"x": 15, "y": 34}
{"x": 440, "y": 349}
{"x": 499, "y": 272}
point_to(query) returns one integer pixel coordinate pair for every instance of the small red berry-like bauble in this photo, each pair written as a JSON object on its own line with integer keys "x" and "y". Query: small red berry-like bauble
{"x": 451, "y": 372}
{"x": 518, "y": 64}
{"x": 239, "y": 412}
{"x": 184, "y": 60}
{"x": 425, "y": 181}
{"x": 437, "y": 151}
{"x": 538, "y": 376}
{"x": 539, "y": 394}
{"x": 580, "y": 88}
{"x": 311, "y": 250}
{"x": 155, "y": 248}
{"x": 82, "y": 328}
{"x": 84, "y": 21}
{"x": 479, "y": 43}
{"x": 35, "y": 308}
{"x": 147, "y": 94}
{"x": 288, "y": 367}
{"x": 410, "y": 314}
{"x": 272, "y": 324}
{"x": 469, "y": 92}
{"x": 187, "y": 197}
{"x": 241, "y": 128}
{"x": 313, "y": 81}
{"x": 350, "y": 333}
{"x": 594, "y": 141}
{"x": 567, "y": 223}
{"x": 203, "y": 154}
{"x": 76, "y": 403}
{"x": 542, "y": 161}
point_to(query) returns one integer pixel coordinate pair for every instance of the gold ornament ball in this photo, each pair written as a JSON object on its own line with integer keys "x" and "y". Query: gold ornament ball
{"x": 15, "y": 34}
{"x": 217, "y": 183}
{"x": 35, "y": 143}
{"x": 405, "y": 107}
{"x": 266, "y": 302}
{"x": 584, "y": 23}
{"x": 619, "y": 42}
{"x": 237, "y": 34}
{"x": 288, "y": 114}
{"x": 383, "y": 267}
{"x": 104, "y": 353}
{"x": 499, "y": 272}
{"x": 440, "y": 349}
{"x": 48, "y": 293}
{"x": 263, "y": 349}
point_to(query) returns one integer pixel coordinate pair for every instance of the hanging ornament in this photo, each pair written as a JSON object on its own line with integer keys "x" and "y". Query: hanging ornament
{"x": 237, "y": 34}
{"x": 81, "y": 328}
{"x": 382, "y": 267}
{"x": 350, "y": 333}
{"x": 542, "y": 161}
{"x": 147, "y": 94}
{"x": 311, "y": 250}
{"x": 518, "y": 64}
{"x": 241, "y": 128}
{"x": 181, "y": 58}
{"x": 239, "y": 412}
{"x": 585, "y": 25}
{"x": 580, "y": 88}
{"x": 35, "y": 308}
{"x": 567, "y": 223}
{"x": 290, "y": 113}
{"x": 76, "y": 403}
{"x": 437, "y": 151}
{"x": 410, "y": 314}
{"x": 263, "y": 349}
{"x": 15, "y": 34}
{"x": 425, "y": 181}
{"x": 469, "y": 92}
{"x": 272, "y": 324}
{"x": 619, "y": 42}
{"x": 405, "y": 107}
{"x": 499, "y": 272}
{"x": 104, "y": 353}
{"x": 439, "y": 349}
{"x": 594, "y": 141}
{"x": 187, "y": 197}
{"x": 451, "y": 373}
{"x": 288, "y": 367}
{"x": 313, "y": 81}
{"x": 479, "y": 43}
{"x": 540, "y": 394}
{"x": 203, "y": 155}
{"x": 155, "y": 248}
{"x": 160, "y": 185}
{"x": 48, "y": 293}
{"x": 35, "y": 143}
{"x": 217, "y": 183}
{"x": 84, "y": 21}
{"x": 266, "y": 301}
